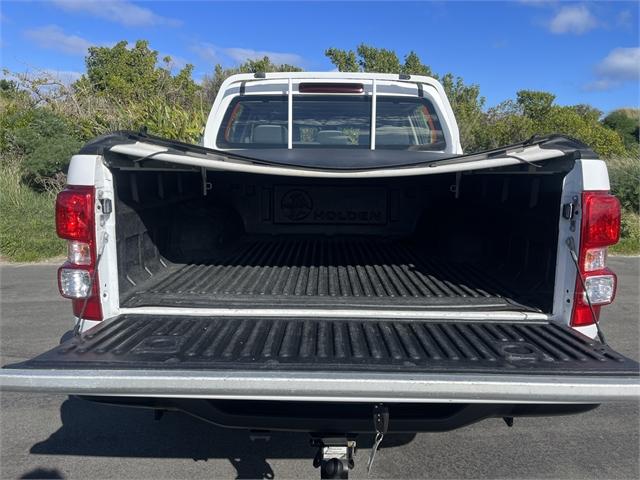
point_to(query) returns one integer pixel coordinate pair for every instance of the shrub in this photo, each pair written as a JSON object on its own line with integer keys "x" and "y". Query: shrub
{"x": 624, "y": 174}
{"x": 629, "y": 235}
{"x": 49, "y": 157}
{"x": 625, "y": 121}
{"x": 534, "y": 113}
{"x": 39, "y": 142}
{"x": 630, "y": 227}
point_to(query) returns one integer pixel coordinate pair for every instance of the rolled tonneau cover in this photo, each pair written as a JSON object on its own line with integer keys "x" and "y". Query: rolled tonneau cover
{"x": 141, "y": 149}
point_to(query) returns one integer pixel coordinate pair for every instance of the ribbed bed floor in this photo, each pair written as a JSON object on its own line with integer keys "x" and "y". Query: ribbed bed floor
{"x": 324, "y": 271}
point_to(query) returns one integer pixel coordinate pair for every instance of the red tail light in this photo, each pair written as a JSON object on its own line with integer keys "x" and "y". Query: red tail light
{"x": 78, "y": 278}
{"x": 600, "y": 228}
{"x": 74, "y": 213}
{"x": 601, "y": 220}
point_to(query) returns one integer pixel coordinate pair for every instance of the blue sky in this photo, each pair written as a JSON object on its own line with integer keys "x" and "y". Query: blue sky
{"x": 584, "y": 52}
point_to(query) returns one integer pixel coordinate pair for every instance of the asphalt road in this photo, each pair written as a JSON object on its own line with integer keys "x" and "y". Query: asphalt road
{"x": 52, "y": 436}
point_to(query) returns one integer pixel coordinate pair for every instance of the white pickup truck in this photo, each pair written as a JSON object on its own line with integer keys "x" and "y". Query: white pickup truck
{"x": 330, "y": 261}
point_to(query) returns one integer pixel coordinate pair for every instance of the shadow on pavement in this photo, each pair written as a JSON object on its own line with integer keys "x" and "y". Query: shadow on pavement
{"x": 92, "y": 429}
{"x": 48, "y": 473}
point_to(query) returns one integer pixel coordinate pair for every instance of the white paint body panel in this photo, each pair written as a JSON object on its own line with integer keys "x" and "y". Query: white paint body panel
{"x": 595, "y": 175}
{"x": 82, "y": 170}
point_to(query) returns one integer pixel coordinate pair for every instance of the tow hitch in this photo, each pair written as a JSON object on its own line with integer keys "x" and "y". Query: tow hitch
{"x": 335, "y": 456}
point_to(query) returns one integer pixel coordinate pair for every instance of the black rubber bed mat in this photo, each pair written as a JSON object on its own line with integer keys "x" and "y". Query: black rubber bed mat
{"x": 313, "y": 272}
{"x": 329, "y": 344}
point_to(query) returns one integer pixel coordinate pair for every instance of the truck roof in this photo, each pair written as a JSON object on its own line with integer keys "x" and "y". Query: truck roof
{"x": 334, "y": 76}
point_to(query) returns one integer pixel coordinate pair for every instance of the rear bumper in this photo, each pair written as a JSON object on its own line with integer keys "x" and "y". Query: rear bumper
{"x": 326, "y": 387}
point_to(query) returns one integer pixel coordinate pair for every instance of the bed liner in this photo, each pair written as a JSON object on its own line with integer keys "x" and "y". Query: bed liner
{"x": 326, "y": 344}
{"x": 319, "y": 272}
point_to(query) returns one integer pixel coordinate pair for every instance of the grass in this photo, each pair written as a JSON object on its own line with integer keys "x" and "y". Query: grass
{"x": 27, "y": 223}
{"x": 626, "y": 246}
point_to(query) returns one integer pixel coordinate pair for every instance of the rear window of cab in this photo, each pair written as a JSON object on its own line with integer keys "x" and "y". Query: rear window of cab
{"x": 331, "y": 121}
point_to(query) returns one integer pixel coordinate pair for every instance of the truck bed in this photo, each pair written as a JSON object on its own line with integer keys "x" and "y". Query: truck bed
{"x": 316, "y": 271}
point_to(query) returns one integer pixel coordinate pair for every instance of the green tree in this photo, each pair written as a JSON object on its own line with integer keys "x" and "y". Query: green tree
{"x": 502, "y": 125}
{"x": 534, "y": 104}
{"x": 134, "y": 74}
{"x": 627, "y": 123}
{"x": 380, "y": 60}
{"x": 466, "y": 103}
{"x": 567, "y": 121}
{"x": 120, "y": 71}
{"x": 8, "y": 88}
{"x": 40, "y": 141}
{"x": 15, "y": 108}
{"x": 534, "y": 112}
{"x": 127, "y": 88}
{"x": 590, "y": 113}
{"x": 344, "y": 60}
{"x": 414, "y": 66}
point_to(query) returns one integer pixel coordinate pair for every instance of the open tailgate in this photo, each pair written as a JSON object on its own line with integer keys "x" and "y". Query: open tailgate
{"x": 329, "y": 359}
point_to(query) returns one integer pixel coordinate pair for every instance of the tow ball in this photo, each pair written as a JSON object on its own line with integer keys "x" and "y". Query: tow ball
{"x": 335, "y": 456}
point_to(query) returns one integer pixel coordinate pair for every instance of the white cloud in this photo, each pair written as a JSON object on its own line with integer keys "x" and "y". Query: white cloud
{"x": 118, "y": 11}
{"x": 54, "y": 38}
{"x": 213, "y": 53}
{"x": 575, "y": 19}
{"x": 621, "y": 65}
